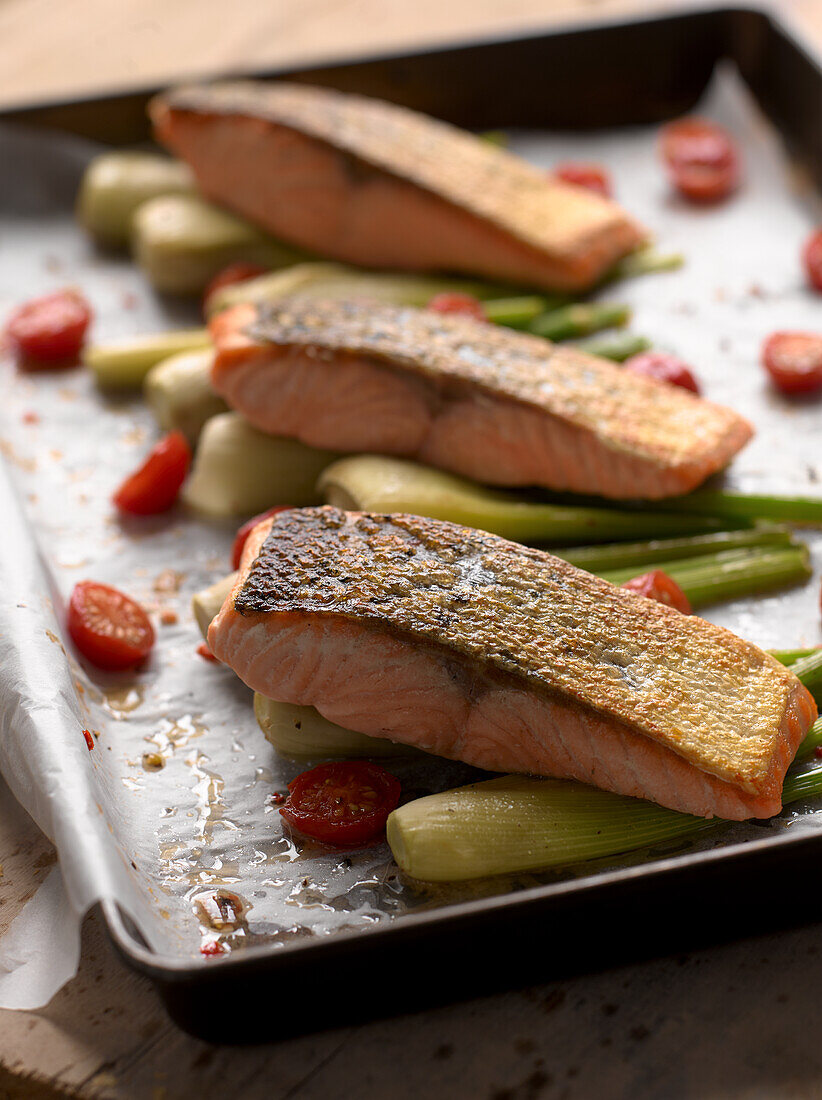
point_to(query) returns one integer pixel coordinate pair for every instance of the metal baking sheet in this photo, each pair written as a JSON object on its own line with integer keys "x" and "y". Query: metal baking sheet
{"x": 194, "y": 851}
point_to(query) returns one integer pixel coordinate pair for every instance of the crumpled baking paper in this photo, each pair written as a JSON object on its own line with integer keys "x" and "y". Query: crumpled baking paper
{"x": 40, "y": 953}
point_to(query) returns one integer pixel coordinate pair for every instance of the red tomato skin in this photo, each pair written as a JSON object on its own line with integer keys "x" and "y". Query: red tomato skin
{"x": 794, "y": 361}
{"x": 212, "y": 949}
{"x": 154, "y": 487}
{"x": 701, "y": 158}
{"x": 812, "y": 259}
{"x": 50, "y": 329}
{"x": 593, "y": 177}
{"x": 694, "y": 140}
{"x": 705, "y": 186}
{"x": 89, "y": 740}
{"x": 109, "y": 628}
{"x": 239, "y": 272}
{"x": 241, "y": 537}
{"x": 453, "y": 302}
{"x": 663, "y": 367}
{"x": 340, "y": 783}
{"x": 658, "y": 586}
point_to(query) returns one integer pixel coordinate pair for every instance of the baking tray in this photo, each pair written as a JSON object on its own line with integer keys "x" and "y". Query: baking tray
{"x": 629, "y": 72}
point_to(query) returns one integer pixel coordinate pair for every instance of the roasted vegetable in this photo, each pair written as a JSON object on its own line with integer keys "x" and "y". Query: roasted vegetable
{"x": 380, "y": 484}
{"x": 207, "y": 602}
{"x": 182, "y": 241}
{"x": 179, "y": 394}
{"x": 238, "y": 470}
{"x": 124, "y": 364}
{"x": 115, "y": 184}
{"x": 303, "y": 732}
{"x": 327, "y": 280}
{"x": 516, "y": 824}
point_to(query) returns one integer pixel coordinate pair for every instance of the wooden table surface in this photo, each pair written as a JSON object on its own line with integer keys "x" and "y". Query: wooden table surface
{"x": 737, "y": 1021}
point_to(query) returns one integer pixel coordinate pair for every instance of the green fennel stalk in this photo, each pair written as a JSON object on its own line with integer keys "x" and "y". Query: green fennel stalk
{"x": 617, "y": 347}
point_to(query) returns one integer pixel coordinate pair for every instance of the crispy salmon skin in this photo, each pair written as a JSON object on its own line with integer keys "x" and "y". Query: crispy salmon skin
{"x": 478, "y": 649}
{"x": 371, "y": 183}
{"x": 480, "y": 400}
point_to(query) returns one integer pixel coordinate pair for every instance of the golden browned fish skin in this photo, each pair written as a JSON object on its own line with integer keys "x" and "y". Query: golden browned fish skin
{"x": 692, "y": 702}
{"x": 413, "y": 170}
{"x": 480, "y": 400}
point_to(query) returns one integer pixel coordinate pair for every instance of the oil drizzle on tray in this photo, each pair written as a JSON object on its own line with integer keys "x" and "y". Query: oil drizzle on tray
{"x": 170, "y": 736}
{"x": 122, "y": 700}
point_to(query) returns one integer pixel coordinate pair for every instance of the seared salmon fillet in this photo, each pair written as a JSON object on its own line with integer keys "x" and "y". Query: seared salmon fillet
{"x": 374, "y": 184}
{"x": 478, "y": 649}
{"x": 480, "y": 400}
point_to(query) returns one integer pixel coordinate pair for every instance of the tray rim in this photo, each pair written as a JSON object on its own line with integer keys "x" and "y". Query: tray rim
{"x": 172, "y": 970}
{"x": 786, "y": 22}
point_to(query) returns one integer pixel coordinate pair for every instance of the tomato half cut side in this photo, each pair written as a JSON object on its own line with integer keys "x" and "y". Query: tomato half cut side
{"x": 794, "y": 361}
{"x": 108, "y": 627}
{"x": 241, "y": 538}
{"x": 812, "y": 259}
{"x": 594, "y": 177}
{"x": 664, "y": 368}
{"x": 345, "y": 803}
{"x": 658, "y": 586}
{"x": 50, "y": 329}
{"x": 239, "y": 272}
{"x": 454, "y": 302}
{"x": 154, "y": 487}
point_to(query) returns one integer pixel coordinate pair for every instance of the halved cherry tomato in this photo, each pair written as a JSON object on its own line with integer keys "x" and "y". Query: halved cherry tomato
{"x": 50, "y": 329}
{"x": 812, "y": 259}
{"x": 704, "y": 185}
{"x": 239, "y": 272}
{"x": 109, "y": 628}
{"x": 592, "y": 176}
{"x": 345, "y": 803}
{"x": 702, "y": 159}
{"x": 212, "y": 948}
{"x": 794, "y": 361}
{"x": 155, "y": 486}
{"x": 663, "y": 367}
{"x": 241, "y": 537}
{"x": 453, "y": 302}
{"x": 658, "y": 586}
{"x": 695, "y": 140}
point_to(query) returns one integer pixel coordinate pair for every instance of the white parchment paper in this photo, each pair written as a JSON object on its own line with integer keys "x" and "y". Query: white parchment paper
{"x": 194, "y": 851}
